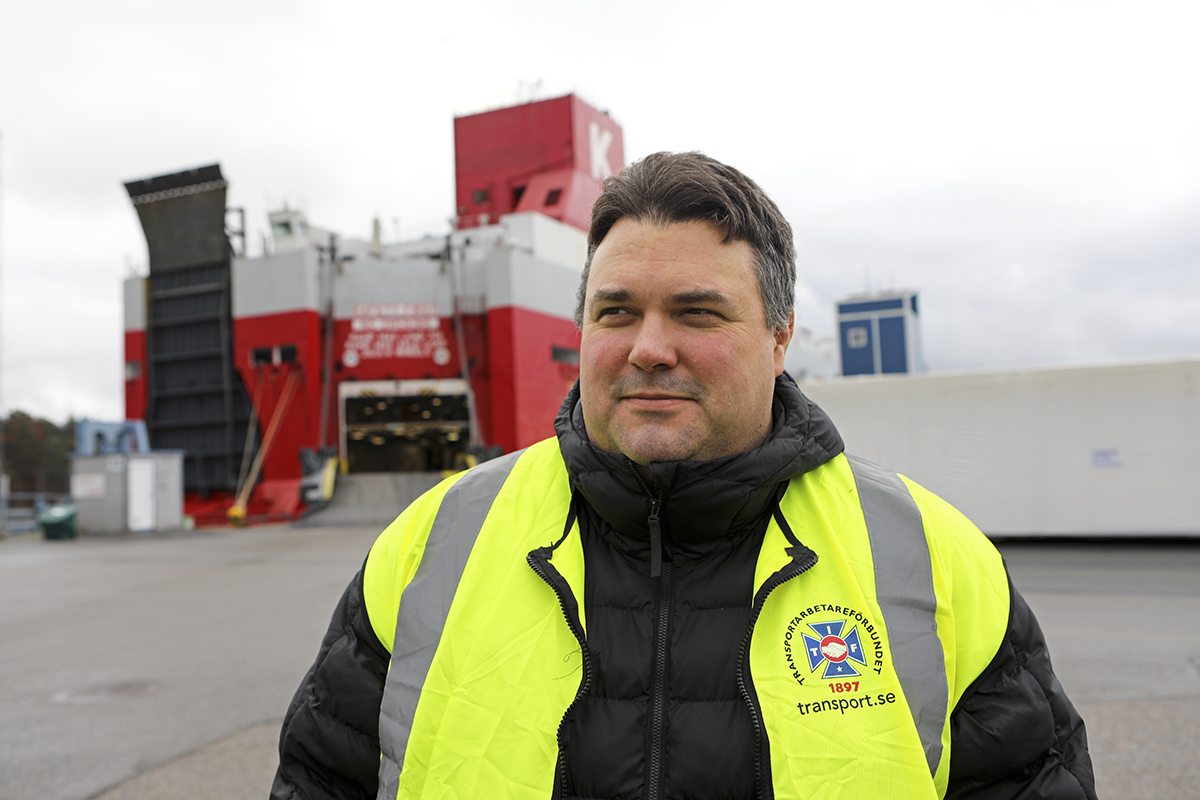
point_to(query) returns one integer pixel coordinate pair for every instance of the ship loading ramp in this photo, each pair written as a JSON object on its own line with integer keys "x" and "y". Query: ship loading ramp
{"x": 370, "y": 499}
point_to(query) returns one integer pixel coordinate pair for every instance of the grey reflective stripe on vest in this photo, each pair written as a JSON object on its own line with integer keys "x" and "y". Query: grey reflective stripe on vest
{"x": 904, "y": 589}
{"x": 425, "y": 604}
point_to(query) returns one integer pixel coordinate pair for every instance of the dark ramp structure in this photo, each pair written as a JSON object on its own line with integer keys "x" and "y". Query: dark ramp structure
{"x": 196, "y": 401}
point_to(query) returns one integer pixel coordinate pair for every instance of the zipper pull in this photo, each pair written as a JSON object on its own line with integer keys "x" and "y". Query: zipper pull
{"x": 655, "y": 540}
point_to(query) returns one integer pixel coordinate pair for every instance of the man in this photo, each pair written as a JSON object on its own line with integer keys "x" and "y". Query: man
{"x": 691, "y": 592}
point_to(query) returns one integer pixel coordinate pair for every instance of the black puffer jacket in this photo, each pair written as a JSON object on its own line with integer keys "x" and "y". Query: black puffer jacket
{"x": 672, "y": 714}
{"x": 664, "y": 706}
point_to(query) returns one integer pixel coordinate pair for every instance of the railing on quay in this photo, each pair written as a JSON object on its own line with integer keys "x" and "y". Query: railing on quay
{"x": 19, "y": 510}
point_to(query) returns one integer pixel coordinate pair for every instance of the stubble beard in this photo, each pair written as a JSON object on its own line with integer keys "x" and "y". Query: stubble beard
{"x": 646, "y": 436}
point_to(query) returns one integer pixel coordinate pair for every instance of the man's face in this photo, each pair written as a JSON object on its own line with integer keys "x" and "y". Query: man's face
{"x": 676, "y": 361}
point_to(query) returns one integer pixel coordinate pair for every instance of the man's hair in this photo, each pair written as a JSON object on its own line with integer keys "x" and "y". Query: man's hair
{"x": 666, "y": 188}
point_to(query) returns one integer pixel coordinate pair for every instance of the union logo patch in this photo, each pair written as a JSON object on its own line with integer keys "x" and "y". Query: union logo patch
{"x": 846, "y": 646}
{"x": 833, "y": 650}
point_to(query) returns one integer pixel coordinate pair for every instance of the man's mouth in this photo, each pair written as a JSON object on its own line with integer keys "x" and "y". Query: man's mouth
{"x": 655, "y": 402}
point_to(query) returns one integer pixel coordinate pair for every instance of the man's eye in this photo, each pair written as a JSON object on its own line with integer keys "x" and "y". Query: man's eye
{"x": 609, "y": 312}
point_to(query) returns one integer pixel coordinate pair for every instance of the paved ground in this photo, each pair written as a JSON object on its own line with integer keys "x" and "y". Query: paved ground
{"x": 1123, "y": 622}
{"x": 118, "y": 656}
{"x": 137, "y": 667}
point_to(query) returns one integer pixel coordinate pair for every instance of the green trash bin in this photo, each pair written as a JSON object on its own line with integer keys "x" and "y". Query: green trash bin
{"x": 58, "y": 522}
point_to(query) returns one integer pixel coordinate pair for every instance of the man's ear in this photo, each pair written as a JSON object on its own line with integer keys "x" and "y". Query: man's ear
{"x": 782, "y": 339}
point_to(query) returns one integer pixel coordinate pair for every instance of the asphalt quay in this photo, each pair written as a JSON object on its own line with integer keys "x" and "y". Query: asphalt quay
{"x": 160, "y": 666}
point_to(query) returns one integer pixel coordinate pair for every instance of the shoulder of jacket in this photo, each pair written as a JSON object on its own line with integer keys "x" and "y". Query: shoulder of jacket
{"x": 972, "y": 588}
{"x": 397, "y": 552}
{"x": 954, "y": 538}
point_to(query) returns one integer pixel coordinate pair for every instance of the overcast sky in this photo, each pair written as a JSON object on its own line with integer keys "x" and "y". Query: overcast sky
{"x": 1033, "y": 168}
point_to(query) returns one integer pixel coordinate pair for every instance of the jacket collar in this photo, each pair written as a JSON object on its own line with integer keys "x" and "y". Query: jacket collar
{"x": 703, "y": 503}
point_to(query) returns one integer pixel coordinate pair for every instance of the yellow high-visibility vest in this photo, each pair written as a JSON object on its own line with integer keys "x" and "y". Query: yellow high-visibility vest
{"x": 854, "y": 662}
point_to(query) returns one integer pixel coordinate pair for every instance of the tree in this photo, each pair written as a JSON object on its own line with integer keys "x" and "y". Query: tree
{"x": 36, "y": 453}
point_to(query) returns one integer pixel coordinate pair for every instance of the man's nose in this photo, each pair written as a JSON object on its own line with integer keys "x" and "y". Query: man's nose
{"x": 654, "y": 345}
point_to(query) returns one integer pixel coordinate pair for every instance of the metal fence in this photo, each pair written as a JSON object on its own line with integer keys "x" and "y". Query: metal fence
{"x": 19, "y": 510}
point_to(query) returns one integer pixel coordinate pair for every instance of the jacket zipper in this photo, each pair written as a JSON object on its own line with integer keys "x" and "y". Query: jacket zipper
{"x": 655, "y": 539}
{"x": 660, "y": 571}
{"x": 803, "y": 560}
{"x": 538, "y": 561}
{"x": 658, "y": 693}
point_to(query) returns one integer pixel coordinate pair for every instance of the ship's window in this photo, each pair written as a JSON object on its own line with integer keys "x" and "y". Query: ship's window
{"x": 287, "y": 353}
{"x": 479, "y": 196}
{"x": 518, "y": 191}
{"x": 564, "y": 355}
{"x": 260, "y": 356}
{"x": 281, "y": 229}
{"x": 133, "y": 370}
{"x": 553, "y": 196}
